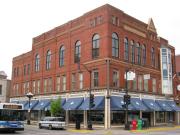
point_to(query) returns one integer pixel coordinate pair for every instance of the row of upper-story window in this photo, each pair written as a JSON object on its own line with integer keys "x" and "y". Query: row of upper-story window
{"x": 77, "y": 83}
{"x": 133, "y": 52}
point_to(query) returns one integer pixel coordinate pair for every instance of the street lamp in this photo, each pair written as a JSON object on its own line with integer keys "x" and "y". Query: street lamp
{"x": 90, "y": 95}
{"x": 29, "y": 95}
{"x": 129, "y": 75}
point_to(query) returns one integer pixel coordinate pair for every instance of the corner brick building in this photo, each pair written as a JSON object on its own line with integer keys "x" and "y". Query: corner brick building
{"x": 104, "y": 42}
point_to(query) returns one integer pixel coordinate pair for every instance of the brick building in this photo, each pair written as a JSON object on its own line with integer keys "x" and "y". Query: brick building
{"x": 178, "y": 77}
{"x": 102, "y": 45}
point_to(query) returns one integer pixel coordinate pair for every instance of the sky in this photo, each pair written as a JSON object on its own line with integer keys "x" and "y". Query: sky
{"x": 21, "y": 20}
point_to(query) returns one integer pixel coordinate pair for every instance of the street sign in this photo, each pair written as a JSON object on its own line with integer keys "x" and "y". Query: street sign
{"x": 130, "y": 75}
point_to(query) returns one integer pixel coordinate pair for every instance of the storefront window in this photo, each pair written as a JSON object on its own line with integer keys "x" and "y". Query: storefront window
{"x": 160, "y": 117}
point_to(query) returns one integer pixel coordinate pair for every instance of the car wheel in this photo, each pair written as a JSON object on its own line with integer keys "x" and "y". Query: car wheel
{"x": 40, "y": 126}
{"x": 50, "y": 127}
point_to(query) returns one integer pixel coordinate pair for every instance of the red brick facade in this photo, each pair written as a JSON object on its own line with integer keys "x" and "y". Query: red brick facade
{"x": 103, "y": 21}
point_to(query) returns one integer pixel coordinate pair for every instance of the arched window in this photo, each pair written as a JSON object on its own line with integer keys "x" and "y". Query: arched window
{"x": 126, "y": 49}
{"x": 77, "y": 53}
{"x": 37, "y": 62}
{"x": 61, "y": 56}
{"x": 48, "y": 60}
{"x": 138, "y": 54}
{"x": 143, "y": 54}
{"x": 133, "y": 46}
{"x": 115, "y": 45}
{"x": 95, "y": 47}
{"x": 153, "y": 56}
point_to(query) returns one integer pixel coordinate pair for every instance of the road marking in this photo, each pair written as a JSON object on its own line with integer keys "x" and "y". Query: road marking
{"x": 80, "y": 131}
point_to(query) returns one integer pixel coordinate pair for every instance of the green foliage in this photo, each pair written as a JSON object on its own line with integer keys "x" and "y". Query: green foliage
{"x": 56, "y": 108}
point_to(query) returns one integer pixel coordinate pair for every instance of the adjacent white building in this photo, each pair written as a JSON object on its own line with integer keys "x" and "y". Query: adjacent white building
{"x": 5, "y": 86}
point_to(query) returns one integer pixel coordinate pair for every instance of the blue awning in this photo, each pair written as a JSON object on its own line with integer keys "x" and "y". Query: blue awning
{"x": 138, "y": 104}
{"x": 63, "y": 100}
{"x": 151, "y": 104}
{"x": 33, "y": 103}
{"x": 73, "y": 103}
{"x": 117, "y": 102}
{"x": 98, "y": 101}
{"x": 23, "y": 102}
{"x": 163, "y": 104}
{"x": 42, "y": 104}
{"x": 173, "y": 105}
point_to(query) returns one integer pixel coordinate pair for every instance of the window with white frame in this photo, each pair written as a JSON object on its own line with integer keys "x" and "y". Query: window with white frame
{"x": 73, "y": 82}
{"x": 126, "y": 49}
{"x": 146, "y": 85}
{"x": 34, "y": 87}
{"x": 154, "y": 85}
{"x": 95, "y": 78}
{"x": 58, "y": 79}
{"x": 80, "y": 80}
{"x": 48, "y": 60}
{"x": 24, "y": 88}
{"x": 115, "y": 78}
{"x": 50, "y": 85}
{"x": 27, "y": 86}
{"x": 135, "y": 84}
{"x": 115, "y": 45}
{"x": 140, "y": 81}
{"x": 38, "y": 86}
{"x": 45, "y": 85}
{"x": 37, "y": 62}
{"x": 64, "y": 82}
{"x": 95, "y": 46}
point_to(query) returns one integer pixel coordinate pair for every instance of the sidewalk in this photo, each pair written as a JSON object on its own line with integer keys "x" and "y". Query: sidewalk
{"x": 155, "y": 129}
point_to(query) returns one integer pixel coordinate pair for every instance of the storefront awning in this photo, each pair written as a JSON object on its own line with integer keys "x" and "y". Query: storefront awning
{"x": 73, "y": 103}
{"x": 138, "y": 104}
{"x": 173, "y": 105}
{"x": 98, "y": 101}
{"x": 33, "y": 103}
{"x": 151, "y": 104}
{"x": 22, "y": 102}
{"x": 163, "y": 104}
{"x": 117, "y": 102}
{"x": 42, "y": 104}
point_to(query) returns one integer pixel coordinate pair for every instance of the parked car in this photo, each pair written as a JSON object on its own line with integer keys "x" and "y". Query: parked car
{"x": 52, "y": 123}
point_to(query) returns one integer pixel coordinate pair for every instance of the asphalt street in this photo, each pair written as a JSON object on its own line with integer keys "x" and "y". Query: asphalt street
{"x": 34, "y": 130}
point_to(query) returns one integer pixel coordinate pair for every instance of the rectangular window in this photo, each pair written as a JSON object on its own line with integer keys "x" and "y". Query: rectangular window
{"x": 28, "y": 69}
{"x": 115, "y": 79}
{"x": 80, "y": 80}
{"x": 134, "y": 84}
{"x": 34, "y": 87}
{"x": 17, "y": 89}
{"x": 24, "y": 69}
{"x": 154, "y": 85}
{"x": 45, "y": 85}
{"x": 38, "y": 86}
{"x": 17, "y": 73}
{"x": 24, "y": 88}
{"x": 58, "y": 83}
{"x": 64, "y": 82}
{"x": 27, "y": 86}
{"x": 95, "y": 79}
{"x": 140, "y": 83}
{"x": 14, "y": 72}
{"x": 0, "y": 89}
{"x": 146, "y": 85}
{"x": 73, "y": 82}
{"x": 50, "y": 85}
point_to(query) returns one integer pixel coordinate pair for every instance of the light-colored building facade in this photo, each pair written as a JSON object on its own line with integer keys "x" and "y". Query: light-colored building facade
{"x": 5, "y": 86}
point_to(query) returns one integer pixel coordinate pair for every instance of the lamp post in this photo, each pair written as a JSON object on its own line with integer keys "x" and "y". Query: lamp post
{"x": 129, "y": 75}
{"x": 29, "y": 95}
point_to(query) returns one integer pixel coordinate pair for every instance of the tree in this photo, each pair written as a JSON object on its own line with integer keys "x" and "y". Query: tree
{"x": 56, "y": 108}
